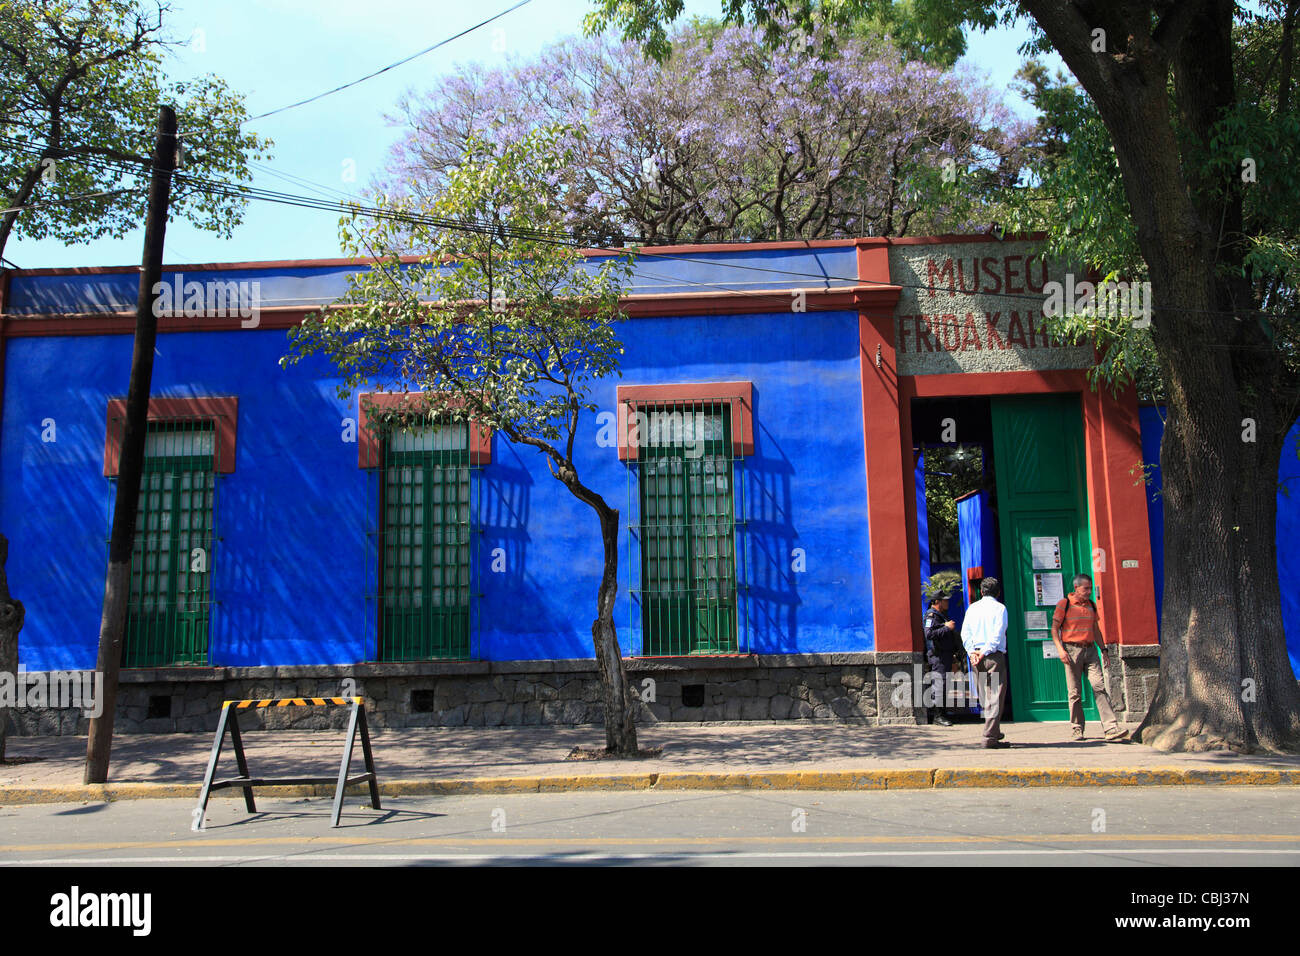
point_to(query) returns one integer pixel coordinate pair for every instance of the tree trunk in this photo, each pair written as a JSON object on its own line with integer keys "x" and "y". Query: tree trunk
{"x": 11, "y": 622}
{"x": 1225, "y": 680}
{"x": 620, "y": 730}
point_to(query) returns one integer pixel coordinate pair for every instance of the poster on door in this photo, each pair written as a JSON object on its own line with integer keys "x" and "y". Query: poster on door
{"x": 1048, "y": 589}
{"x": 1046, "y": 553}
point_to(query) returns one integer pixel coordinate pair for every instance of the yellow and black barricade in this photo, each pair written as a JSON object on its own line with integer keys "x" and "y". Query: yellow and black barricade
{"x": 230, "y": 722}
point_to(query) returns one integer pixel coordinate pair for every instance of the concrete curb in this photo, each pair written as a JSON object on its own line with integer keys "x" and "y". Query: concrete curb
{"x": 685, "y": 780}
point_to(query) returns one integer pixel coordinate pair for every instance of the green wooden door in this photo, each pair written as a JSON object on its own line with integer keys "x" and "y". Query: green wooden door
{"x": 688, "y": 565}
{"x": 167, "y": 613}
{"x": 425, "y": 509}
{"x": 1043, "y": 520}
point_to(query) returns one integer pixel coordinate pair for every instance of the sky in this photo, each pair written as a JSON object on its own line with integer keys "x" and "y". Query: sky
{"x": 276, "y": 52}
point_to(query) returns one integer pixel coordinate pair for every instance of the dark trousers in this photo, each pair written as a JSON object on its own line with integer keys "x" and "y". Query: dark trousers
{"x": 940, "y": 662}
{"x": 993, "y": 684}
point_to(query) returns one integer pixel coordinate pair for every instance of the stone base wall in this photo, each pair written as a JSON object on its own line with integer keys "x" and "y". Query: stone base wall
{"x": 1138, "y": 666}
{"x": 805, "y": 687}
{"x": 869, "y": 688}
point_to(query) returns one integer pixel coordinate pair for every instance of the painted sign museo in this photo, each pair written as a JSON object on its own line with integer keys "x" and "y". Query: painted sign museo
{"x": 976, "y": 307}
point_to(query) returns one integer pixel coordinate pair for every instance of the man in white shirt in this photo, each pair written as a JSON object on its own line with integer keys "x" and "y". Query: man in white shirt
{"x": 984, "y": 635}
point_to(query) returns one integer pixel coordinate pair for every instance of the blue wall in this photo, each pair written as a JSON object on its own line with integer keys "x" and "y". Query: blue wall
{"x": 289, "y": 569}
{"x": 1288, "y": 522}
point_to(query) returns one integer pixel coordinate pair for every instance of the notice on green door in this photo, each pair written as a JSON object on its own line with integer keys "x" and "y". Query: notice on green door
{"x": 1048, "y": 589}
{"x": 1046, "y": 553}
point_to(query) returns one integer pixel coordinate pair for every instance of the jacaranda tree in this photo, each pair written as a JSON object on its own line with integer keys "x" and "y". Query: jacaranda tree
{"x": 730, "y": 140}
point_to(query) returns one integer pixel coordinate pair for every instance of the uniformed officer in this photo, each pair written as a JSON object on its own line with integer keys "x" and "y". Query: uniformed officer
{"x": 941, "y": 646}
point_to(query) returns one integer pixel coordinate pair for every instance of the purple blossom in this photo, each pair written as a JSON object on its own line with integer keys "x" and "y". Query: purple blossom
{"x": 728, "y": 116}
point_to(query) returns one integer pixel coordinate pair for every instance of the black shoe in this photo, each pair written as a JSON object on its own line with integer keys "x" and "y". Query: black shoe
{"x": 992, "y": 744}
{"x": 942, "y": 720}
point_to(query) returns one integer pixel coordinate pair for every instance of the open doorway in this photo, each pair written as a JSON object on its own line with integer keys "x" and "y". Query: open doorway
{"x": 1021, "y": 516}
{"x": 956, "y": 498}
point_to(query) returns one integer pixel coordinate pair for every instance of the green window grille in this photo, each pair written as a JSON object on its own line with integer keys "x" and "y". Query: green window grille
{"x": 171, "y": 560}
{"x": 686, "y": 532}
{"x": 424, "y": 544}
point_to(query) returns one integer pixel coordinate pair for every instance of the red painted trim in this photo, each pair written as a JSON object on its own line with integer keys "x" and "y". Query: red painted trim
{"x": 636, "y": 306}
{"x": 123, "y": 323}
{"x": 368, "y": 450}
{"x": 845, "y": 299}
{"x": 739, "y": 394}
{"x": 222, "y": 410}
{"x": 873, "y": 265}
{"x": 891, "y": 492}
{"x": 959, "y": 384}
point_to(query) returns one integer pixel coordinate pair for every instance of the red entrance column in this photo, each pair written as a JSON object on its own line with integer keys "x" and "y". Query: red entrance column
{"x": 1116, "y": 496}
{"x": 886, "y": 422}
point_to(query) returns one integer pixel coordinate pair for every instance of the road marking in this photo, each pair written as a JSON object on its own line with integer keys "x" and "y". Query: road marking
{"x": 614, "y": 857}
{"x": 361, "y": 837}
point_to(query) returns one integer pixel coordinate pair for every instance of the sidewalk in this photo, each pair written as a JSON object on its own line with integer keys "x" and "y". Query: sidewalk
{"x": 695, "y": 756}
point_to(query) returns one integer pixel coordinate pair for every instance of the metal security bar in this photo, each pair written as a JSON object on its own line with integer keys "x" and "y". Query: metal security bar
{"x": 169, "y": 609}
{"x": 420, "y": 547}
{"x": 682, "y": 534}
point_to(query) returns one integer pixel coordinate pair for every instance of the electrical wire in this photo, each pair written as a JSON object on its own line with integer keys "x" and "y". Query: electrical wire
{"x": 483, "y": 227}
{"x": 404, "y": 60}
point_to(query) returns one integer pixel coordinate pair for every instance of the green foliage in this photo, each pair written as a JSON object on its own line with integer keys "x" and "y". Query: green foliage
{"x": 950, "y": 472}
{"x": 920, "y": 30}
{"x": 928, "y": 30}
{"x": 504, "y": 326}
{"x": 1080, "y": 201}
{"x": 941, "y": 584}
{"x": 1079, "y": 192}
{"x": 80, "y": 84}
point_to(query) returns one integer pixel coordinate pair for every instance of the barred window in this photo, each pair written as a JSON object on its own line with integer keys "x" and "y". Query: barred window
{"x": 424, "y": 544}
{"x": 684, "y": 470}
{"x": 171, "y": 559}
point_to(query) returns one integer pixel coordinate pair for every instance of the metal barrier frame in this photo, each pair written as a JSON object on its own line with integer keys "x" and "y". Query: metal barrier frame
{"x": 230, "y": 722}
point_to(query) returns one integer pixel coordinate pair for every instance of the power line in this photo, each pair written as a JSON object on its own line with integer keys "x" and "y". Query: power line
{"x": 555, "y": 237}
{"x": 369, "y": 76}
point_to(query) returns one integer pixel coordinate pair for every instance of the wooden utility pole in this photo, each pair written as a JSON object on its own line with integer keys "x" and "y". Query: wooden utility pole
{"x": 117, "y": 583}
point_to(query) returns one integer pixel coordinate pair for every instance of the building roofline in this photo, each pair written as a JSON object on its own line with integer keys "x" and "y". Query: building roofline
{"x": 716, "y": 247}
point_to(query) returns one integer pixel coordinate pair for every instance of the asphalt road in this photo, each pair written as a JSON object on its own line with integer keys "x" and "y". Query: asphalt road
{"x": 1118, "y": 826}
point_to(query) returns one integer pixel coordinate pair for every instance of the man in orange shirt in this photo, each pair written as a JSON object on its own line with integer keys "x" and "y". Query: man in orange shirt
{"x": 1081, "y": 649}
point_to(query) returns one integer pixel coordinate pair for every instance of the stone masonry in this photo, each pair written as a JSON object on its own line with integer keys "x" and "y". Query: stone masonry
{"x": 839, "y": 688}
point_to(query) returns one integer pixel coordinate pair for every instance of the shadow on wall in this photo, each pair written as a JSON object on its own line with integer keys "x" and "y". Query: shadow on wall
{"x": 58, "y": 546}
{"x": 768, "y": 540}
{"x": 289, "y": 563}
{"x": 510, "y": 608}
